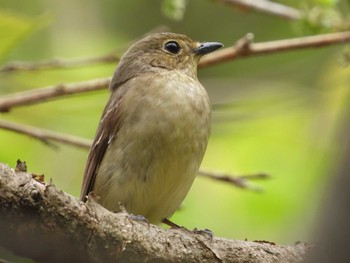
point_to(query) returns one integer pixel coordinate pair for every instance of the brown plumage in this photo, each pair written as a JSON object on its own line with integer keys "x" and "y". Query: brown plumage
{"x": 154, "y": 129}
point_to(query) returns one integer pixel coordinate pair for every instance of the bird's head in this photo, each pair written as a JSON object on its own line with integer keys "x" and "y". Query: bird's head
{"x": 167, "y": 51}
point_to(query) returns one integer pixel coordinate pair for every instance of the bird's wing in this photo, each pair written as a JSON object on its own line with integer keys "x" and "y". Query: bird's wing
{"x": 107, "y": 129}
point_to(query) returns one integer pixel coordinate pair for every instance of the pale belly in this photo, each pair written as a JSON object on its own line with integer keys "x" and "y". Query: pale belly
{"x": 152, "y": 163}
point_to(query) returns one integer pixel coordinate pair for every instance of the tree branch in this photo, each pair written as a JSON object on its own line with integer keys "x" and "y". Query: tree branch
{"x": 49, "y": 137}
{"x": 48, "y": 93}
{"x": 46, "y": 136}
{"x": 266, "y": 6}
{"x": 264, "y": 48}
{"x": 243, "y": 48}
{"x": 110, "y": 57}
{"x": 242, "y": 181}
{"x": 59, "y": 63}
{"x": 41, "y": 222}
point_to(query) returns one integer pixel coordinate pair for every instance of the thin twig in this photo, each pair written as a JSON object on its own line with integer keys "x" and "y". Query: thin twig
{"x": 51, "y": 92}
{"x": 110, "y": 57}
{"x": 243, "y": 48}
{"x": 241, "y": 181}
{"x": 266, "y": 6}
{"x": 254, "y": 49}
{"x": 49, "y": 137}
{"x": 244, "y": 43}
{"x": 59, "y": 63}
{"x": 46, "y": 136}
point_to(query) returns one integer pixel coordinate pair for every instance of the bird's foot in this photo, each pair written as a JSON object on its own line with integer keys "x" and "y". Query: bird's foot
{"x": 139, "y": 218}
{"x": 204, "y": 232}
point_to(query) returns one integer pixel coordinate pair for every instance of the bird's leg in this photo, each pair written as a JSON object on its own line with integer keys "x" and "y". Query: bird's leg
{"x": 139, "y": 218}
{"x": 203, "y": 232}
{"x": 170, "y": 223}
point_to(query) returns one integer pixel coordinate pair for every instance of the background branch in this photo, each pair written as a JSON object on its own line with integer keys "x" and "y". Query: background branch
{"x": 59, "y": 63}
{"x": 243, "y": 48}
{"x": 264, "y": 48}
{"x": 49, "y": 137}
{"x": 241, "y": 181}
{"x": 110, "y": 57}
{"x": 267, "y": 7}
{"x": 48, "y": 93}
{"x": 56, "y": 227}
{"x": 46, "y": 136}
{"x": 63, "y": 63}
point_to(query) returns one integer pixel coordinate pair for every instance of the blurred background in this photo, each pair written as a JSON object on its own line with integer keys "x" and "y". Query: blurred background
{"x": 279, "y": 114}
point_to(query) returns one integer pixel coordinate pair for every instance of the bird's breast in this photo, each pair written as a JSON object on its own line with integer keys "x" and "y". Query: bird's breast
{"x": 160, "y": 145}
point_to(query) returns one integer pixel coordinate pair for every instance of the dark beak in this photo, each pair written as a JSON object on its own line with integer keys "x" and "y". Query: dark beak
{"x": 207, "y": 47}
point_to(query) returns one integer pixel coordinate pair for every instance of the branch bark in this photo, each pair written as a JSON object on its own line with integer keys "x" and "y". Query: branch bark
{"x": 41, "y": 222}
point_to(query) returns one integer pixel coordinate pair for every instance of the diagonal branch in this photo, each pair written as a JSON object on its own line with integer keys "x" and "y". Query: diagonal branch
{"x": 110, "y": 57}
{"x": 49, "y": 137}
{"x": 265, "y": 48}
{"x": 267, "y": 7}
{"x": 48, "y": 93}
{"x": 241, "y": 181}
{"x": 46, "y": 136}
{"x": 243, "y": 48}
{"x": 59, "y": 63}
{"x": 38, "y": 218}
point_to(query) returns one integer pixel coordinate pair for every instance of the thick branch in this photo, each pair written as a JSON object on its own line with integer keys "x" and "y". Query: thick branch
{"x": 41, "y": 222}
{"x": 266, "y": 6}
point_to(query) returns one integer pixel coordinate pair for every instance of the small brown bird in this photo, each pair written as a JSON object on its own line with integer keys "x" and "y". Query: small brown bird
{"x": 154, "y": 129}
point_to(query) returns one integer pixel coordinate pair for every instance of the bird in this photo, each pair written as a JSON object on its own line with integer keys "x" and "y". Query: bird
{"x": 154, "y": 129}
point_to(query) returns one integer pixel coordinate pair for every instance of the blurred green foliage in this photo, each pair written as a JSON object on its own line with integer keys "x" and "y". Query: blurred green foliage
{"x": 174, "y": 9}
{"x": 277, "y": 114}
{"x": 319, "y": 19}
{"x": 14, "y": 28}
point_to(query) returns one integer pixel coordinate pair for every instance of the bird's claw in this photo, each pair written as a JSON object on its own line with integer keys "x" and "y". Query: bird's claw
{"x": 204, "y": 232}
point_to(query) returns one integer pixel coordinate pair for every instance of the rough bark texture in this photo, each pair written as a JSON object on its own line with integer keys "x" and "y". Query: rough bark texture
{"x": 41, "y": 222}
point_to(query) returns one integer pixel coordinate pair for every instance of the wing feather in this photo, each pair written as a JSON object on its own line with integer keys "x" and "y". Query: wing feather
{"x": 107, "y": 129}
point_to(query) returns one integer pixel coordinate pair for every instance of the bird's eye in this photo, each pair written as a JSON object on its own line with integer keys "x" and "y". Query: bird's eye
{"x": 172, "y": 47}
